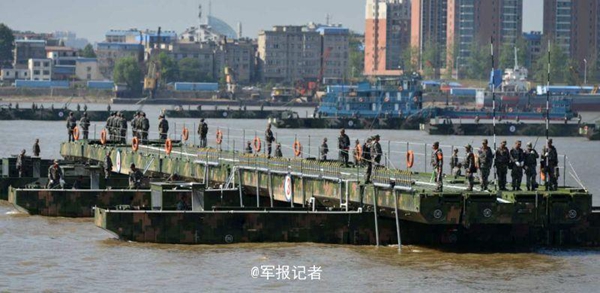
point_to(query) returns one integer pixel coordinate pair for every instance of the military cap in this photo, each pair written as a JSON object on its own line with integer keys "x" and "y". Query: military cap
{"x": 549, "y": 140}
{"x": 529, "y": 145}
{"x": 161, "y": 116}
{"x": 132, "y": 166}
{"x": 456, "y": 150}
{"x": 202, "y": 120}
{"x": 468, "y": 146}
{"x": 485, "y": 141}
{"x": 504, "y": 142}
{"x": 518, "y": 141}
{"x": 55, "y": 161}
{"x": 437, "y": 143}
{"x": 376, "y": 136}
{"x": 85, "y": 114}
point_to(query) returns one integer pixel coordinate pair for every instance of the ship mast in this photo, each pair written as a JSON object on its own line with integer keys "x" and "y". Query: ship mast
{"x": 548, "y": 95}
{"x": 493, "y": 103}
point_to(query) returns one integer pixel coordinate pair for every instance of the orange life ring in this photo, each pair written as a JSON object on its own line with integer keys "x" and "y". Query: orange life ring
{"x": 219, "y": 137}
{"x": 358, "y": 151}
{"x": 168, "y": 146}
{"x": 297, "y": 148}
{"x": 135, "y": 144}
{"x": 510, "y": 110}
{"x": 76, "y": 133}
{"x": 539, "y": 110}
{"x": 410, "y": 159}
{"x": 257, "y": 144}
{"x": 103, "y": 136}
{"x": 185, "y": 135}
{"x": 542, "y": 174}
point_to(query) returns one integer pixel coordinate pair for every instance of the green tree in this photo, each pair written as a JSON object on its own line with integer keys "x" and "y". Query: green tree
{"x": 88, "y": 52}
{"x": 431, "y": 60}
{"x": 478, "y": 66}
{"x": 190, "y": 71}
{"x": 356, "y": 58}
{"x": 128, "y": 71}
{"x": 169, "y": 69}
{"x": 6, "y": 44}
{"x": 559, "y": 66}
{"x": 507, "y": 54}
{"x": 410, "y": 59}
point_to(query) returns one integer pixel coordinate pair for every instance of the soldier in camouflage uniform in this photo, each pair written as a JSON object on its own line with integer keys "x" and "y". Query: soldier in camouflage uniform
{"x": 203, "y": 132}
{"x": 517, "y": 162}
{"x": 21, "y": 163}
{"x": 344, "y": 147}
{"x": 109, "y": 125}
{"x": 437, "y": 162}
{"x": 550, "y": 162}
{"x": 163, "y": 127}
{"x": 486, "y": 157}
{"x": 36, "y": 148}
{"x": 531, "y": 157}
{"x": 455, "y": 165}
{"x": 123, "y": 127}
{"x": 145, "y": 127}
{"x": 108, "y": 165}
{"x": 470, "y": 168}
{"x": 135, "y": 177}
{"x": 84, "y": 122}
{"x": 366, "y": 155}
{"x": 71, "y": 124}
{"x": 55, "y": 174}
{"x": 324, "y": 150}
{"x": 376, "y": 151}
{"x": 502, "y": 159}
{"x": 135, "y": 125}
{"x": 269, "y": 138}
{"x": 278, "y": 153}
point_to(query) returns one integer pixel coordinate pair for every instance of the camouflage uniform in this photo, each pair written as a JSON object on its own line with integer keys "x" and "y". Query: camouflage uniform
{"x": 502, "y": 158}
{"x": 278, "y": 153}
{"x": 109, "y": 125}
{"x": 145, "y": 126}
{"x": 269, "y": 138}
{"x": 344, "y": 147}
{"x": 123, "y": 128}
{"x": 366, "y": 155}
{"x": 437, "y": 162}
{"x": 455, "y": 165}
{"x": 486, "y": 157}
{"x": 71, "y": 124}
{"x": 36, "y": 148}
{"x": 108, "y": 166}
{"x": 135, "y": 178}
{"x": 470, "y": 168}
{"x": 531, "y": 157}
{"x": 203, "y": 132}
{"x": 134, "y": 125}
{"x": 55, "y": 174}
{"x": 21, "y": 163}
{"x": 550, "y": 159}
{"x": 517, "y": 160}
{"x": 324, "y": 150}
{"x": 163, "y": 128}
{"x": 84, "y": 122}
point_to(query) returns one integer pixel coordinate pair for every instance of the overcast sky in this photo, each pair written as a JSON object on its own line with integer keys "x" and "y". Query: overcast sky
{"x": 92, "y": 18}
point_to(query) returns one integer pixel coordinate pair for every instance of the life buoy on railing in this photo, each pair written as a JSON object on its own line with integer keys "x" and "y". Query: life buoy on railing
{"x": 257, "y": 144}
{"x": 135, "y": 144}
{"x": 103, "y": 136}
{"x": 410, "y": 159}
{"x": 510, "y": 110}
{"x": 76, "y": 133}
{"x": 297, "y": 148}
{"x": 358, "y": 151}
{"x": 219, "y": 137}
{"x": 185, "y": 134}
{"x": 168, "y": 146}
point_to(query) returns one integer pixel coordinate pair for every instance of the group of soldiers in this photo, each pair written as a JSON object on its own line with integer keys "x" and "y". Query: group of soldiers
{"x": 519, "y": 161}
{"x": 116, "y": 124}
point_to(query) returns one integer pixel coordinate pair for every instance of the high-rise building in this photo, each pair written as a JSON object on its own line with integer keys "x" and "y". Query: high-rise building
{"x": 477, "y": 22}
{"x": 387, "y": 36}
{"x": 428, "y": 28}
{"x": 574, "y": 25}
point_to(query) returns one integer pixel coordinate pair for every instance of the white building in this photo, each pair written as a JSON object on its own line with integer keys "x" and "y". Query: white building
{"x": 11, "y": 74}
{"x": 40, "y": 69}
{"x": 87, "y": 69}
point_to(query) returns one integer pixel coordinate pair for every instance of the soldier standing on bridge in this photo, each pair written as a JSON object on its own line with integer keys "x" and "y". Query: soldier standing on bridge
{"x": 531, "y": 157}
{"x": 203, "y": 132}
{"x": 517, "y": 159}
{"x": 109, "y": 125}
{"x": 84, "y": 122}
{"x": 344, "y": 147}
{"x": 135, "y": 124}
{"x": 135, "y": 177}
{"x": 366, "y": 155}
{"x": 486, "y": 157}
{"x": 455, "y": 164}
{"x": 269, "y": 138}
{"x": 108, "y": 165}
{"x": 123, "y": 127}
{"x": 437, "y": 162}
{"x": 376, "y": 152}
{"x": 249, "y": 148}
{"x": 324, "y": 150}
{"x": 55, "y": 175}
{"x": 470, "y": 168}
{"x": 550, "y": 159}
{"x": 144, "y": 127}
{"x": 21, "y": 163}
{"x": 355, "y": 153}
{"x": 502, "y": 160}
{"x": 71, "y": 124}
{"x": 36, "y": 148}
{"x": 163, "y": 127}
{"x": 278, "y": 153}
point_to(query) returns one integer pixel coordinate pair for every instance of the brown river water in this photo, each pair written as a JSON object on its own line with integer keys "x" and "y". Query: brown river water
{"x": 40, "y": 254}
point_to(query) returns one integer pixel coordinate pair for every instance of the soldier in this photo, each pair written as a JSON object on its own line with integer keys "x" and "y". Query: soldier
{"x": 134, "y": 124}
{"x": 36, "y": 148}
{"x": 145, "y": 127}
{"x": 21, "y": 163}
{"x": 55, "y": 175}
{"x": 123, "y": 127}
{"x": 269, "y": 138}
{"x": 324, "y": 150}
{"x": 278, "y": 153}
{"x": 249, "y": 148}
{"x": 517, "y": 159}
{"x": 550, "y": 158}
{"x": 437, "y": 162}
{"x": 203, "y": 132}
{"x": 376, "y": 151}
{"x": 71, "y": 124}
{"x": 84, "y": 122}
{"x": 486, "y": 157}
{"x": 116, "y": 125}
{"x": 455, "y": 165}
{"x": 355, "y": 152}
{"x": 163, "y": 127}
{"x": 135, "y": 177}
{"x": 108, "y": 165}
{"x": 502, "y": 159}
{"x": 531, "y": 157}
{"x": 109, "y": 122}
{"x": 470, "y": 168}
{"x": 366, "y": 155}
{"x": 344, "y": 147}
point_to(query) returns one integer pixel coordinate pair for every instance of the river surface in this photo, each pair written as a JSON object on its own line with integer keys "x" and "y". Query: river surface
{"x": 72, "y": 255}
